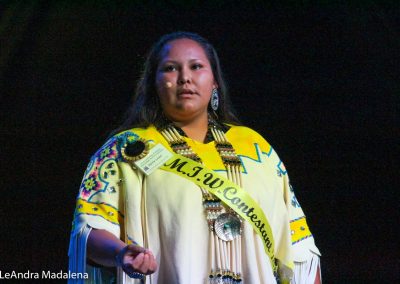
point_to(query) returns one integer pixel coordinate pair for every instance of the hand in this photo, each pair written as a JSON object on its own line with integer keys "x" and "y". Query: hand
{"x": 136, "y": 259}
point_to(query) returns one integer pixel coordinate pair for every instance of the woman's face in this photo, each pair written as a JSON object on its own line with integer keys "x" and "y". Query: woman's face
{"x": 184, "y": 80}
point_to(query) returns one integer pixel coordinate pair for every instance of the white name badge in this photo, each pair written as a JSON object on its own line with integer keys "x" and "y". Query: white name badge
{"x": 156, "y": 157}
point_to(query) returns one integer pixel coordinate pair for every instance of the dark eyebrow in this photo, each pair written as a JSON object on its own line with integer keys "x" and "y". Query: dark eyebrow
{"x": 168, "y": 61}
{"x": 176, "y": 62}
{"x": 195, "y": 59}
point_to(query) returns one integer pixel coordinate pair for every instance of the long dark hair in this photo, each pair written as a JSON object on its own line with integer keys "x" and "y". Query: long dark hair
{"x": 146, "y": 108}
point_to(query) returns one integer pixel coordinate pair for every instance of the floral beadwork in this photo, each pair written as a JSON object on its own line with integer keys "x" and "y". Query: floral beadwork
{"x": 89, "y": 184}
{"x": 93, "y": 181}
{"x": 123, "y": 138}
{"x": 102, "y": 169}
{"x": 107, "y": 151}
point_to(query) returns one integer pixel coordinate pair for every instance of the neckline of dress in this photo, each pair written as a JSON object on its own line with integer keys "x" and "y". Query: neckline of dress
{"x": 209, "y": 136}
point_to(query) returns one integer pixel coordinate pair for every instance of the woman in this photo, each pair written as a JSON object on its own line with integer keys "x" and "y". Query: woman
{"x": 217, "y": 209}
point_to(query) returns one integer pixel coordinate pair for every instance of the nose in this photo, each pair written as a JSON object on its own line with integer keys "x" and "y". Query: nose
{"x": 184, "y": 76}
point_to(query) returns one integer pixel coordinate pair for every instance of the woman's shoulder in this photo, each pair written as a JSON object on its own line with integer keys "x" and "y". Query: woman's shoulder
{"x": 147, "y": 133}
{"x": 247, "y": 136}
{"x": 245, "y": 132}
{"x": 142, "y": 132}
{"x": 112, "y": 147}
{"x": 250, "y": 141}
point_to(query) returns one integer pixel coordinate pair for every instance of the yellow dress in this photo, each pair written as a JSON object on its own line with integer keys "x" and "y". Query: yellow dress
{"x": 164, "y": 212}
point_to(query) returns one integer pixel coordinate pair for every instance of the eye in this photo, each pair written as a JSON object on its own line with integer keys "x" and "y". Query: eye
{"x": 169, "y": 68}
{"x": 197, "y": 66}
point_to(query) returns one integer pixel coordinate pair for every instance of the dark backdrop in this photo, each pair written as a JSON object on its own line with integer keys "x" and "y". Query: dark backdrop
{"x": 319, "y": 81}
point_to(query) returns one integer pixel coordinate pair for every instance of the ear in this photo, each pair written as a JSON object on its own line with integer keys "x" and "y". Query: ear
{"x": 215, "y": 85}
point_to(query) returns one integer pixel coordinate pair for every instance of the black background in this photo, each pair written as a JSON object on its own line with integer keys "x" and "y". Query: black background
{"x": 319, "y": 80}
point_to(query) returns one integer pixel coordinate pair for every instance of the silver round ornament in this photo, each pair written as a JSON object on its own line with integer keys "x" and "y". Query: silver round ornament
{"x": 227, "y": 226}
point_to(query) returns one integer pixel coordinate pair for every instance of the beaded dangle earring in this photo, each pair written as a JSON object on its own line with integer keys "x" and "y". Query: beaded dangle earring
{"x": 214, "y": 100}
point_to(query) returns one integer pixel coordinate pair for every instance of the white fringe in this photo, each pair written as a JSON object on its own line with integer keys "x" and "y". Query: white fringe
{"x": 77, "y": 262}
{"x": 77, "y": 253}
{"x": 306, "y": 271}
{"x": 77, "y": 259}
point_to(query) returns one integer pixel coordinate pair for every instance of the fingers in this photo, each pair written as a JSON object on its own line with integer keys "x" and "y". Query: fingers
{"x": 153, "y": 263}
{"x": 145, "y": 263}
{"x": 144, "y": 266}
{"x": 139, "y": 259}
{"x": 136, "y": 249}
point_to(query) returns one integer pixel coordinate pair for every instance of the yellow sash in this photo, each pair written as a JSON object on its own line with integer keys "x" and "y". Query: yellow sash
{"x": 229, "y": 193}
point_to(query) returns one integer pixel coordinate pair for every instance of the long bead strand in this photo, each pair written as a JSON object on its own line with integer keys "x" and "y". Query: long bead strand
{"x": 225, "y": 256}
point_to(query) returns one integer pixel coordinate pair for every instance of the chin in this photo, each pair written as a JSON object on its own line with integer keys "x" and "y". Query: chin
{"x": 187, "y": 107}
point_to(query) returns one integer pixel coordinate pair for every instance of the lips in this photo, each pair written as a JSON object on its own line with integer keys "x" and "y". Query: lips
{"x": 186, "y": 92}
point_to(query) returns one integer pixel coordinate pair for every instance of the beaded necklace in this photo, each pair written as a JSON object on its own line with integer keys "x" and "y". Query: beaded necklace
{"x": 224, "y": 224}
